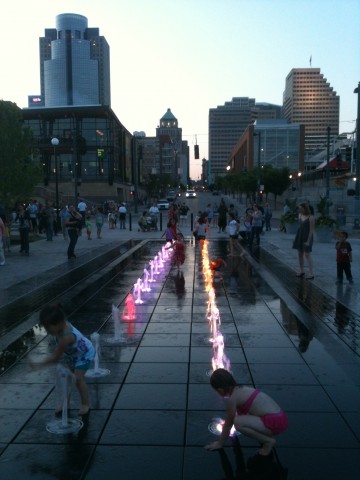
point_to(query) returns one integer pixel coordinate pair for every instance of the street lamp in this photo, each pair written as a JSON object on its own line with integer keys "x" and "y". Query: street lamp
{"x": 357, "y": 165}
{"x": 258, "y": 134}
{"x": 55, "y": 143}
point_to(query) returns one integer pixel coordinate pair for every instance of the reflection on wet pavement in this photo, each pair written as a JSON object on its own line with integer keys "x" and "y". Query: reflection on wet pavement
{"x": 150, "y": 416}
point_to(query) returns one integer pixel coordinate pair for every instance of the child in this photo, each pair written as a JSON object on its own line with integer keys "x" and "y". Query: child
{"x": 215, "y": 266}
{"x": 252, "y": 412}
{"x": 88, "y": 227}
{"x": 99, "y": 221}
{"x": 179, "y": 251}
{"x": 72, "y": 349}
{"x": 343, "y": 258}
{"x": 170, "y": 235}
{"x": 202, "y": 229}
{"x": 234, "y": 227}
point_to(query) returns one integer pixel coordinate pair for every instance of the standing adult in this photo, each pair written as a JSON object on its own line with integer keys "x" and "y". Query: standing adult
{"x": 222, "y": 222}
{"x": 154, "y": 215}
{"x": 209, "y": 214}
{"x": 256, "y": 225}
{"x": 268, "y": 216}
{"x": 64, "y": 214}
{"x": 183, "y": 210}
{"x": 122, "y": 216}
{"x": 304, "y": 240}
{"x": 23, "y": 217}
{"x": 33, "y": 212}
{"x": 82, "y": 207}
{"x": 73, "y": 224}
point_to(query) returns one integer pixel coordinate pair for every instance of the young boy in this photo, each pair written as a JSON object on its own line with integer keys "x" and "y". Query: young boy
{"x": 343, "y": 258}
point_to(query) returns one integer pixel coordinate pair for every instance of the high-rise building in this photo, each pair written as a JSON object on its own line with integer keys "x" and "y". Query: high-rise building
{"x": 164, "y": 154}
{"x": 74, "y": 64}
{"x": 309, "y": 100}
{"x": 227, "y": 123}
{"x": 173, "y": 151}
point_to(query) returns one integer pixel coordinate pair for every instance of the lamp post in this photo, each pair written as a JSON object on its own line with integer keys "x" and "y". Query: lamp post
{"x": 258, "y": 134}
{"x": 55, "y": 143}
{"x": 357, "y": 165}
{"x": 328, "y": 170}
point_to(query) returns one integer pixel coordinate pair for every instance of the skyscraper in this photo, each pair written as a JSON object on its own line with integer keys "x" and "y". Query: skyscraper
{"x": 309, "y": 100}
{"x": 227, "y": 123}
{"x": 74, "y": 64}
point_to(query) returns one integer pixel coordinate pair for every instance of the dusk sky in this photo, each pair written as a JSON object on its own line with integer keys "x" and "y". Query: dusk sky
{"x": 192, "y": 55}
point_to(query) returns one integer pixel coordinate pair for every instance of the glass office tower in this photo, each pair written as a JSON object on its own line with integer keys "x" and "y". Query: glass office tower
{"x": 74, "y": 64}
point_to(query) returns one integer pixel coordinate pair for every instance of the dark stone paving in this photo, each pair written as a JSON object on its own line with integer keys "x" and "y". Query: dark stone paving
{"x": 150, "y": 416}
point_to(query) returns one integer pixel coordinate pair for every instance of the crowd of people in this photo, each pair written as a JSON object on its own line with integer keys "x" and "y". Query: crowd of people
{"x": 35, "y": 219}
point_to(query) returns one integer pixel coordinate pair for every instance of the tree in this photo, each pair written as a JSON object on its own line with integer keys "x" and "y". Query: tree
{"x": 157, "y": 185}
{"x": 18, "y": 173}
{"x": 276, "y": 180}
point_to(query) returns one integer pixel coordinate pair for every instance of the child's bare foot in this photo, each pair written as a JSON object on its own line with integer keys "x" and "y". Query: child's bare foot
{"x": 59, "y": 411}
{"x": 267, "y": 447}
{"x": 84, "y": 410}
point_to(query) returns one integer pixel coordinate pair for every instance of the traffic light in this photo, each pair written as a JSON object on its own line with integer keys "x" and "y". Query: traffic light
{"x": 348, "y": 154}
{"x": 131, "y": 193}
{"x": 196, "y": 152}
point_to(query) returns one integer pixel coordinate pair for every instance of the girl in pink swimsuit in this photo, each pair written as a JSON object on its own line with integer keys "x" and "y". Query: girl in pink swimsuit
{"x": 252, "y": 412}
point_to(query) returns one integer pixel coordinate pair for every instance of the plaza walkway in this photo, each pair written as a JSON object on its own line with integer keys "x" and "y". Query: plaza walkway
{"x": 298, "y": 340}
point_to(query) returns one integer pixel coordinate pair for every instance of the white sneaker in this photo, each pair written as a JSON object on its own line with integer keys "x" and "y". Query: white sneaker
{"x": 2, "y": 263}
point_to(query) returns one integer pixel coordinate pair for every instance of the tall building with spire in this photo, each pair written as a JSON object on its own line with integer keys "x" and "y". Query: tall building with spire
{"x": 74, "y": 64}
{"x": 309, "y": 100}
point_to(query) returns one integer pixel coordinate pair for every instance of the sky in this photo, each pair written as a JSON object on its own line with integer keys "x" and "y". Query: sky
{"x": 193, "y": 55}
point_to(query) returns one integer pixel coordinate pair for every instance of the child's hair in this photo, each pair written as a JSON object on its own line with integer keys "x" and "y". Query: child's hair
{"x": 51, "y": 315}
{"x": 345, "y": 234}
{"x": 221, "y": 378}
{"x": 306, "y": 208}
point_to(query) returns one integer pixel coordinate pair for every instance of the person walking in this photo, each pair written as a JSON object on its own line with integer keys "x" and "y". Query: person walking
{"x": 73, "y": 224}
{"x": 304, "y": 240}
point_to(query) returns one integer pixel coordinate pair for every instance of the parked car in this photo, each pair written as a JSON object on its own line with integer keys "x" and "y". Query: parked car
{"x": 190, "y": 194}
{"x": 163, "y": 204}
{"x": 215, "y": 192}
{"x": 171, "y": 196}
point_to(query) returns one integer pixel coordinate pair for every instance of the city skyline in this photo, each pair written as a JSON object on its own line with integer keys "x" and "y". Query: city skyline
{"x": 196, "y": 55}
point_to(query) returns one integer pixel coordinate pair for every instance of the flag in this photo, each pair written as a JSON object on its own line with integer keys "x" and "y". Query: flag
{"x": 310, "y": 59}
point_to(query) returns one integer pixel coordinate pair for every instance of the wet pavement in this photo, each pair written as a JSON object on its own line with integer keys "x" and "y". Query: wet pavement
{"x": 295, "y": 339}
